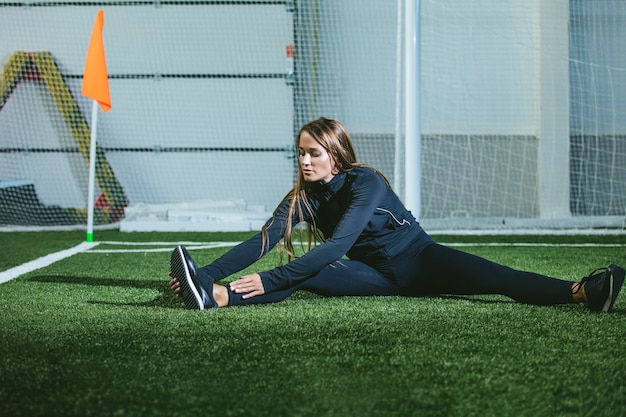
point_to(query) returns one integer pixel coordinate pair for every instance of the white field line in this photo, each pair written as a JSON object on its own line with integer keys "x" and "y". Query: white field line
{"x": 542, "y": 245}
{"x": 531, "y": 232}
{"x": 114, "y": 242}
{"x": 44, "y": 261}
{"x": 211, "y": 245}
{"x": 169, "y": 248}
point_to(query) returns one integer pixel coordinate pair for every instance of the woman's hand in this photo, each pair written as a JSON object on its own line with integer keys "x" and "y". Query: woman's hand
{"x": 175, "y": 286}
{"x": 250, "y": 284}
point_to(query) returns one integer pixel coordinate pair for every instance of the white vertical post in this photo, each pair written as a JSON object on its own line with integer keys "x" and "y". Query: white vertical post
{"x": 397, "y": 166}
{"x": 553, "y": 103}
{"x": 92, "y": 171}
{"x": 412, "y": 120}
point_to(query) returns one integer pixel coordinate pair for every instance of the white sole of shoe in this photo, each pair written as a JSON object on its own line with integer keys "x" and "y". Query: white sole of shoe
{"x": 615, "y": 284}
{"x": 180, "y": 271}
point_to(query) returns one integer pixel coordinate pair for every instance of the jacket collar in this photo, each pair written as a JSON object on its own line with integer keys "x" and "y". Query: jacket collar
{"x": 328, "y": 189}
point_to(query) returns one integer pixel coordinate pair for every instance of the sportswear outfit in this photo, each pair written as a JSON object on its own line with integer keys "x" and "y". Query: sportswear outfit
{"x": 388, "y": 253}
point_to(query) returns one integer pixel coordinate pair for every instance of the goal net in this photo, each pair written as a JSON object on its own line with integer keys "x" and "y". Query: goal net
{"x": 522, "y": 109}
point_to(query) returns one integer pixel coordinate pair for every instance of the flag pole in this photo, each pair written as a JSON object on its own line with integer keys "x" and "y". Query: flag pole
{"x": 96, "y": 87}
{"x": 92, "y": 171}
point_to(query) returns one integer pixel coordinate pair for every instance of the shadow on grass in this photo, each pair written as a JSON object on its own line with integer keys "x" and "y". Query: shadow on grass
{"x": 619, "y": 311}
{"x": 471, "y": 299}
{"x": 165, "y": 299}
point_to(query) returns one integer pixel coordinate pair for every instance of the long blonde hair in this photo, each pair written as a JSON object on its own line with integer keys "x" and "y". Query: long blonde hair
{"x": 335, "y": 139}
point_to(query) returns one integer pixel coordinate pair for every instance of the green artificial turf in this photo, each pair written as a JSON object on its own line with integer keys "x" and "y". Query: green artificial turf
{"x": 100, "y": 334}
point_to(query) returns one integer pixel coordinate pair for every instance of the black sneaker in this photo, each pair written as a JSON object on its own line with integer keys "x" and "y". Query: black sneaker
{"x": 196, "y": 295}
{"x": 602, "y": 287}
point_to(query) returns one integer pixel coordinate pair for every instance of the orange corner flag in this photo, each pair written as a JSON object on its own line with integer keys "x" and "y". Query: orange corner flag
{"x": 95, "y": 76}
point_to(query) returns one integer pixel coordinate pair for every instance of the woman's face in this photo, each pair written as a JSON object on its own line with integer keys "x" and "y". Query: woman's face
{"x": 315, "y": 162}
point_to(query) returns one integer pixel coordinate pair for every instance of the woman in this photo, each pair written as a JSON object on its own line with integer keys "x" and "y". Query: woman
{"x": 352, "y": 209}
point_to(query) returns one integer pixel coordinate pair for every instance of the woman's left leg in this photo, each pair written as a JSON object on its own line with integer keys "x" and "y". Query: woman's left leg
{"x": 443, "y": 270}
{"x": 341, "y": 278}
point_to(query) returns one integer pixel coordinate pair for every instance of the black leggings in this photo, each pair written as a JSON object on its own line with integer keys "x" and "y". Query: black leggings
{"x": 433, "y": 270}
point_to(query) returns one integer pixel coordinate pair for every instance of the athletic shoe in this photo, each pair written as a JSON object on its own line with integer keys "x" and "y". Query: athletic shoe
{"x": 602, "y": 287}
{"x": 196, "y": 286}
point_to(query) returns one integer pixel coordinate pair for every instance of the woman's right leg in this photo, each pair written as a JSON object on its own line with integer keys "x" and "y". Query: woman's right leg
{"x": 341, "y": 278}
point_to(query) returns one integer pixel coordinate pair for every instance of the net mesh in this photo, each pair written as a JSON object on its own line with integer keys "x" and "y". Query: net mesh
{"x": 598, "y": 107}
{"x": 522, "y": 107}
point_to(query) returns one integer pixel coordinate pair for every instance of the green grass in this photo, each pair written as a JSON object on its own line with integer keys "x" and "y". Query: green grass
{"x": 100, "y": 334}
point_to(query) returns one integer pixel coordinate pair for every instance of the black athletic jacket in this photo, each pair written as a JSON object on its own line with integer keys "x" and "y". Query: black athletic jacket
{"x": 358, "y": 214}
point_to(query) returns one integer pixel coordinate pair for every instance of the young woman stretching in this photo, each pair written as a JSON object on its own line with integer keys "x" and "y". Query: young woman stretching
{"x": 353, "y": 211}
